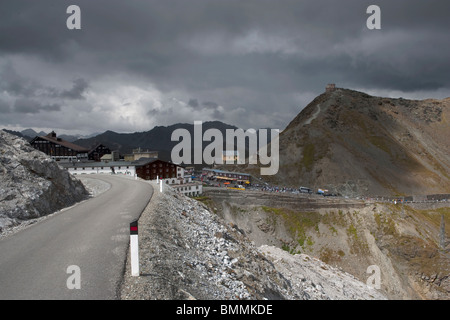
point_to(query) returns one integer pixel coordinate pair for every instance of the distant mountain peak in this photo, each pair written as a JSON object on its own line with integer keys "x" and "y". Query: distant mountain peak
{"x": 157, "y": 139}
{"x": 355, "y": 143}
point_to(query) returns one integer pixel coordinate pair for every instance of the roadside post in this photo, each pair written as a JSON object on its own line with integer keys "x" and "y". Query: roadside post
{"x": 134, "y": 248}
{"x": 160, "y": 185}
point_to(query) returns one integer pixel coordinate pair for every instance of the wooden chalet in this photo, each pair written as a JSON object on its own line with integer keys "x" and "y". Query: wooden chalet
{"x": 58, "y": 148}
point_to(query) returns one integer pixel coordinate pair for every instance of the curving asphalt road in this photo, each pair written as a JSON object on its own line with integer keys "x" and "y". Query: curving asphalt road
{"x": 93, "y": 236}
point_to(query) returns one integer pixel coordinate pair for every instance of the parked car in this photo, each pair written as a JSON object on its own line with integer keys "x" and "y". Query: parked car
{"x": 305, "y": 190}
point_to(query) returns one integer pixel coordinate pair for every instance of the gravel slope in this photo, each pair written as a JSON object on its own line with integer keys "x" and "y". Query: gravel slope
{"x": 187, "y": 252}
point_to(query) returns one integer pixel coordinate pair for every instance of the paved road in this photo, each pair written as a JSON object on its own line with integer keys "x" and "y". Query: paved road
{"x": 93, "y": 235}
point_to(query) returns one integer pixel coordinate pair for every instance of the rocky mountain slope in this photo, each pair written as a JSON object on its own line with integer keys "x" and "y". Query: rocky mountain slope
{"x": 31, "y": 184}
{"x": 189, "y": 252}
{"x": 407, "y": 242}
{"x": 356, "y": 144}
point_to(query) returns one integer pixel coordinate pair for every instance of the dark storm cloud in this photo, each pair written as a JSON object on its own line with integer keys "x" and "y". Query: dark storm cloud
{"x": 23, "y": 88}
{"x": 25, "y": 105}
{"x": 154, "y": 112}
{"x": 193, "y": 103}
{"x": 215, "y": 108}
{"x": 4, "y": 107}
{"x": 15, "y": 84}
{"x": 259, "y": 57}
{"x": 76, "y": 92}
{"x": 207, "y": 105}
{"x": 210, "y": 105}
{"x": 33, "y": 27}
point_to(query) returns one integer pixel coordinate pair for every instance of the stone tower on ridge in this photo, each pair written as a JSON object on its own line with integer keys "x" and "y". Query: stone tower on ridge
{"x": 330, "y": 87}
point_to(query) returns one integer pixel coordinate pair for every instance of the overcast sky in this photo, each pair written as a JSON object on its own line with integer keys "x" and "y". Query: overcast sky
{"x": 251, "y": 63}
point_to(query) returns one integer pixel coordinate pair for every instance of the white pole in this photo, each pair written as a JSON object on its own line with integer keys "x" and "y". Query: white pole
{"x": 157, "y": 179}
{"x": 160, "y": 185}
{"x": 134, "y": 249}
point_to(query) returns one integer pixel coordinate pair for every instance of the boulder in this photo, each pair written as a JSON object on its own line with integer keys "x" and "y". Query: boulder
{"x": 32, "y": 185}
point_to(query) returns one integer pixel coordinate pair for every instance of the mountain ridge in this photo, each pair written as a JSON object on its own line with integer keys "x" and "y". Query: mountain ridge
{"x": 356, "y": 144}
{"x": 156, "y": 139}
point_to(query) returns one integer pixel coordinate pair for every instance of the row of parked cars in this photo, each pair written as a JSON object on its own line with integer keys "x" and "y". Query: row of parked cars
{"x": 322, "y": 192}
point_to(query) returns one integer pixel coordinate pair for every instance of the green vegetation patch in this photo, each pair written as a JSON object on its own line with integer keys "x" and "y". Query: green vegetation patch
{"x": 207, "y": 201}
{"x": 298, "y": 223}
{"x": 351, "y": 231}
{"x": 328, "y": 255}
{"x": 308, "y": 156}
{"x": 381, "y": 143}
{"x": 432, "y": 216}
{"x": 385, "y": 223}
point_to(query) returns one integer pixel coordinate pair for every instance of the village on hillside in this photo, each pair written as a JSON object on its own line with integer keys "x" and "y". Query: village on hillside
{"x": 148, "y": 165}
{"x": 143, "y": 164}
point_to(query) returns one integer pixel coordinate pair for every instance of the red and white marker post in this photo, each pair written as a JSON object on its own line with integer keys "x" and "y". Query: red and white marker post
{"x": 134, "y": 249}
